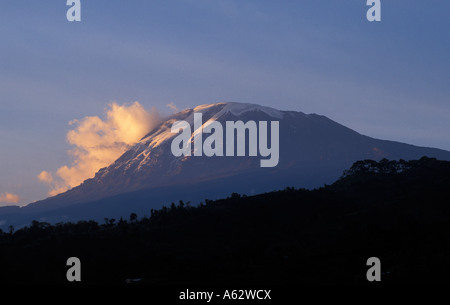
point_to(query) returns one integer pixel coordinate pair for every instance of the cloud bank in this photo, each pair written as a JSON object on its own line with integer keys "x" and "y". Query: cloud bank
{"x": 99, "y": 142}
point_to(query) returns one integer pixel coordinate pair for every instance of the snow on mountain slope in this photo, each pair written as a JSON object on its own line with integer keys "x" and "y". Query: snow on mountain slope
{"x": 238, "y": 109}
{"x": 142, "y": 156}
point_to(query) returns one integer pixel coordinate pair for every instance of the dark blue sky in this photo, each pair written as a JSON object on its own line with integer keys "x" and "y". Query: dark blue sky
{"x": 388, "y": 80}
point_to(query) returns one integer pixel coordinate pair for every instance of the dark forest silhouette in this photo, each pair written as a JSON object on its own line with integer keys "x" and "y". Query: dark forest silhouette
{"x": 397, "y": 211}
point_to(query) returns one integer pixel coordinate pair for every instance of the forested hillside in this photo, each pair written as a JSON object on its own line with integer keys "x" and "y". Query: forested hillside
{"x": 397, "y": 211}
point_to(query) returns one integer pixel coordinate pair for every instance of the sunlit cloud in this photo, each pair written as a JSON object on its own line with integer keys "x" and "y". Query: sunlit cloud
{"x": 99, "y": 142}
{"x": 45, "y": 176}
{"x": 173, "y": 107}
{"x": 9, "y": 198}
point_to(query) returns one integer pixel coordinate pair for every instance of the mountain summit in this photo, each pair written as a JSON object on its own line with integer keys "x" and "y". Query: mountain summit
{"x": 313, "y": 151}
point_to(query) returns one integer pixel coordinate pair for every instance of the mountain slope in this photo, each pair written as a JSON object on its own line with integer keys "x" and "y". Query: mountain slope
{"x": 314, "y": 150}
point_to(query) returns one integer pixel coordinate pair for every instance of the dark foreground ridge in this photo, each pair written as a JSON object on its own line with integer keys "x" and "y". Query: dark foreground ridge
{"x": 397, "y": 211}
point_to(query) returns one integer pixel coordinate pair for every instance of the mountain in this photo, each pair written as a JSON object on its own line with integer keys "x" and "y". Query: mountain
{"x": 313, "y": 151}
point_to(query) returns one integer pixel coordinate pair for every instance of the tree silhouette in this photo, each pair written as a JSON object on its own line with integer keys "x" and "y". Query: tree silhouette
{"x": 133, "y": 217}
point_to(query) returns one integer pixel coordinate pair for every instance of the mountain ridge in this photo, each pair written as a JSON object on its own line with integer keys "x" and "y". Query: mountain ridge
{"x": 314, "y": 150}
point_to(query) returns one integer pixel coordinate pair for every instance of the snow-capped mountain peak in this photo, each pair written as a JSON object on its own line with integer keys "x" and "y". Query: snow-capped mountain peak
{"x": 238, "y": 109}
{"x": 313, "y": 150}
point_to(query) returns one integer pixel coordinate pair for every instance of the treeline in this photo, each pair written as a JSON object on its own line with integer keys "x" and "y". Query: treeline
{"x": 171, "y": 213}
{"x": 397, "y": 211}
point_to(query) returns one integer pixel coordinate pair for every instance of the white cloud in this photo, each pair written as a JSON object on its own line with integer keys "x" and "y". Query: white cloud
{"x": 99, "y": 142}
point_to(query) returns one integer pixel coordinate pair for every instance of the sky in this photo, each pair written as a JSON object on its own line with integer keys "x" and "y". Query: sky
{"x": 388, "y": 79}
